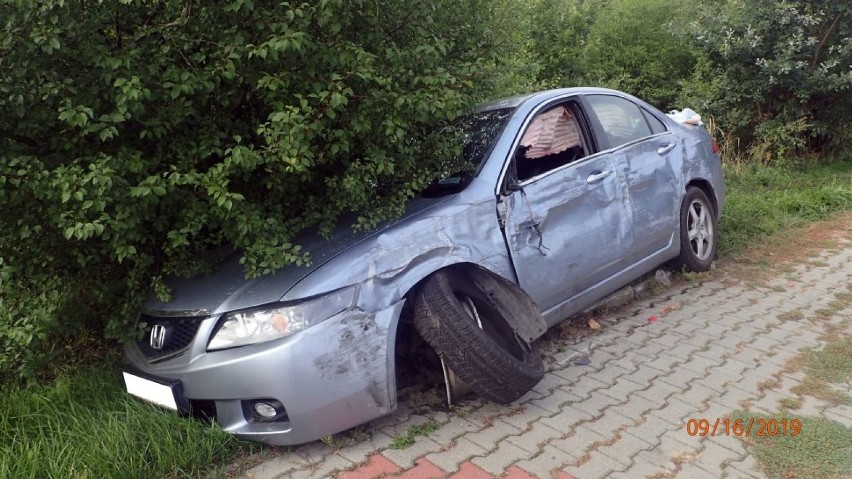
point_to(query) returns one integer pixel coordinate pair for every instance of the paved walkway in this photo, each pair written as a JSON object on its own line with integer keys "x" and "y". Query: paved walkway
{"x": 616, "y": 402}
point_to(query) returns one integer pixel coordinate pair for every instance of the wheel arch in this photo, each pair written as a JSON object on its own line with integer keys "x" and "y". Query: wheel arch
{"x": 494, "y": 284}
{"x": 528, "y": 331}
{"x": 707, "y": 188}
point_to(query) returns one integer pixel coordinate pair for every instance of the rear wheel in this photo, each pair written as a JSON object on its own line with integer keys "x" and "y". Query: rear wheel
{"x": 470, "y": 334}
{"x": 698, "y": 233}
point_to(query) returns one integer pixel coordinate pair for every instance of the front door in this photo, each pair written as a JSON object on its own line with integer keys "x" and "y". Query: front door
{"x": 569, "y": 230}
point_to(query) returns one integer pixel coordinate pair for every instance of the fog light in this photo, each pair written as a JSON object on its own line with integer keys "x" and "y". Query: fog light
{"x": 265, "y": 410}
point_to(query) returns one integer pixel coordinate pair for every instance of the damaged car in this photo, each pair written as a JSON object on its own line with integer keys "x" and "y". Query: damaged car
{"x": 571, "y": 194}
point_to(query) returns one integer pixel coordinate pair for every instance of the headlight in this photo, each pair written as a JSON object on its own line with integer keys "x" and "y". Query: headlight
{"x": 272, "y": 322}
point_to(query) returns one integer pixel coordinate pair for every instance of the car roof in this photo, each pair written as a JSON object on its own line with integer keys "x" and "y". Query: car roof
{"x": 539, "y": 97}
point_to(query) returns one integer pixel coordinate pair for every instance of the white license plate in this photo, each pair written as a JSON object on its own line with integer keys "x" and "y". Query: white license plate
{"x": 152, "y": 391}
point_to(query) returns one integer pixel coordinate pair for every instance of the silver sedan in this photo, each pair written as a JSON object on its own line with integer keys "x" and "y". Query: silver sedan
{"x": 567, "y": 196}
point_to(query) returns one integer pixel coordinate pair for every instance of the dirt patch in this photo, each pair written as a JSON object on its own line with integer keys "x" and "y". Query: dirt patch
{"x": 798, "y": 244}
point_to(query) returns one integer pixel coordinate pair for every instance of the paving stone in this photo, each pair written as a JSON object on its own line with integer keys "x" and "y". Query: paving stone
{"x": 700, "y": 364}
{"x": 567, "y": 419}
{"x": 675, "y": 411}
{"x": 845, "y": 420}
{"x": 664, "y": 363}
{"x": 734, "y": 397}
{"x": 639, "y": 337}
{"x": 271, "y": 469}
{"x": 585, "y": 387}
{"x": 635, "y": 407}
{"x": 743, "y": 468}
{"x": 596, "y": 403}
{"x": 621, "y": 389}
{"x": 423, "y": 469}
{"x": 548, "y": 383}
{"x": 610, "y": 372}
{"x": 554, "y": 402}
{"x": 643, "y": 469}
{"x": 501, "y": 458}
{"x": 450, "y": 458}
{"x": 580, "y": 440}
{"x": 643, "y": 376}
{"x": 548, "y": 460}
{"x": 491, "y": 435}
{"x": 695, "y": 395}
{"x": 468, "y": 470}
{"x": 377, "y": 466}
{"x": 528, "y": 416}
{"x": 659, "y": 391}
{"x": 624, "y": 448}
{"x": 681, "y": 376}
{"x": 713, "y": 456}
{"x": 359, "y": 452}
{"x": 405, "y": 458}
{"x": 537, "y": 434}
{"x": 327, "y": 467}
{"x": 456, "y": 427}
{"x": 596, "y": 467}
{"x": 729, "y": 442}
{"x": 672, "y": 447}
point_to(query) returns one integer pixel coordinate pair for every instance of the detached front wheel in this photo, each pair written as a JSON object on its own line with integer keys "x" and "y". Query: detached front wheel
{"x": 698, "y": 233}
{"x": 468, "y": 331}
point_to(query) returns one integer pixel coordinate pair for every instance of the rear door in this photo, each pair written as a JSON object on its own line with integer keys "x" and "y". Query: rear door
{"x": 643, "y": 148}
{"x": 565, "y": 209}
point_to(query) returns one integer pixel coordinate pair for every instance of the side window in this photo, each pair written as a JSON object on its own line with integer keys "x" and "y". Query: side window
{"x": 621, "y": 119}
{"x": 553, "y": 138}
{"x": 657, "y": 126}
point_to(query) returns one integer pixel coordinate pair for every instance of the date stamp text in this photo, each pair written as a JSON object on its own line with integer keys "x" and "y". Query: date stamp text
{"x": 755, "y": 426}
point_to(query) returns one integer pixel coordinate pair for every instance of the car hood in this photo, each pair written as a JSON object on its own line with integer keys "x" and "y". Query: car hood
{"x": 227, "y": 288}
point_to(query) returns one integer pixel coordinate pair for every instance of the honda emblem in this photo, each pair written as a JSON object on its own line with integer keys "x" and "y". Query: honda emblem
{"x": 158, "y": 337}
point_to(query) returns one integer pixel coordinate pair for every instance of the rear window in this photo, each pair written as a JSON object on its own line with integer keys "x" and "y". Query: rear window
{"x": 622, "y": 120}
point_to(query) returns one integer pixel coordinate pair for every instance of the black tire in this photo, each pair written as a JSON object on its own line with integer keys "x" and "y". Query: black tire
{"x": 491, "y": 359}
{"x": 699, "y": 236}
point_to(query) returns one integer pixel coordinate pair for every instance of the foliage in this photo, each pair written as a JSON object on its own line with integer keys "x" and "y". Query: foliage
{"x": 778, "y": 73}
{"x": 552, "y": 41}
{"x": 142, "y": 138}
{"x": 621, "y": 44}
{"x": 630, "y": 48}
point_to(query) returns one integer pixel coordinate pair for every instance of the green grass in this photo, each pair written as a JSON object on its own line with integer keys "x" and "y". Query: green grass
{"x": 86, "y": 426}
{"x": 830, "y": 365}
{"x": 823, "y": 449}
{"x": 768, "y": 200}
{"x": 404, "y": 441}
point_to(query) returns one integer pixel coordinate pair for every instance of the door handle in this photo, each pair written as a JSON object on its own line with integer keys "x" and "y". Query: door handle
{"x": 665, "y": 149}
{"x": 597, "y": 176}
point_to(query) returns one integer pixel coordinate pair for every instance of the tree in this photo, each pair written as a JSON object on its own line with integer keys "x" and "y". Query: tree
{"x": 779, "y": 72}
{"x": 139, "y": 138}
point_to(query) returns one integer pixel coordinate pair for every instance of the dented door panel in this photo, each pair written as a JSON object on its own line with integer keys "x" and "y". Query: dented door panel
{"x": 653, "y": 192}
{"x": 565, "y": 234}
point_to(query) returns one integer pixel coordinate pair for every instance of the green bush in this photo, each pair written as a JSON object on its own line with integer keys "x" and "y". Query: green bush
{"x": 631, "y": 48}
{"x": 141, "y": 139}
{"x": 778, "y": 76}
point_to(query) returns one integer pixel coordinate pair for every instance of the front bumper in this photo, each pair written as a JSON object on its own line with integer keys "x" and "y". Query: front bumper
{"x": 330, "y": 377}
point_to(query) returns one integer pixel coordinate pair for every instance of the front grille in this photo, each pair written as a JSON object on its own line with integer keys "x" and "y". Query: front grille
{"x": 175, "y": 333}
